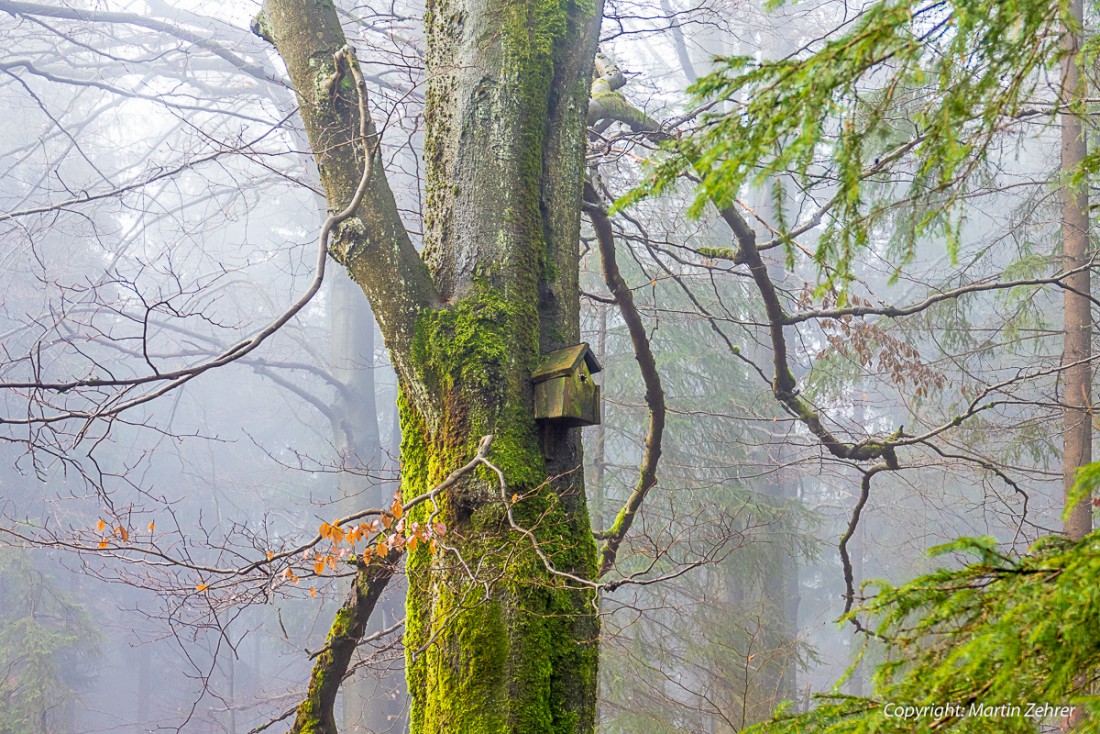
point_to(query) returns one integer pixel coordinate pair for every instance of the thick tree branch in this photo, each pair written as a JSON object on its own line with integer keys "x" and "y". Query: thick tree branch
{"x": 784, "y": 386}
{"x": 654, "y": 392}
{"x": 315, "y": 713}
{"x": 783, "y": 383}
{"x": 373, "y": 244}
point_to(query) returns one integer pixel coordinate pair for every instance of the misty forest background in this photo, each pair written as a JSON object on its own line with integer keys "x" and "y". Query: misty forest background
{"x": 158, "y": 204}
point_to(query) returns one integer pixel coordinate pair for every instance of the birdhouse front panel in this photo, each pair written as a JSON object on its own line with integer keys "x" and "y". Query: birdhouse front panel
{"x": 564, "y": 389}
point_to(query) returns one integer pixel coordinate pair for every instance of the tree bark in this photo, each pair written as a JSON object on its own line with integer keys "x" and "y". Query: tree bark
{"x": 1077, "y": 306}
{"x": 1077, "y": 378}
{"x": 372, "y": 244}
{"x": 497, "y": 638}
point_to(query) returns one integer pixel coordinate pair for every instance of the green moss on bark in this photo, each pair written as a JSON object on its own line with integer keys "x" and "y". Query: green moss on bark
{"x": 496, "y": 643}
{"x": 514, "y": 649}
{"x": 476, "y": 356}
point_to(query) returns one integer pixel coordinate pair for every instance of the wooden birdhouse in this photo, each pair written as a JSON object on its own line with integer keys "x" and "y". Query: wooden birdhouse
{"x": 565, "y": 392}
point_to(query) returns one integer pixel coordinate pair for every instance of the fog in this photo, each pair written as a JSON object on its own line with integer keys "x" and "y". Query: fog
{"x": 161, "y": 207}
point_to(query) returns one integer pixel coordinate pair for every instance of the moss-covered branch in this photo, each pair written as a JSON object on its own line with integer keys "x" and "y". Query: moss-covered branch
{"x": 315, "y": 713}
{"x": 607, "y": 105}
{"x": 647, "y": 363}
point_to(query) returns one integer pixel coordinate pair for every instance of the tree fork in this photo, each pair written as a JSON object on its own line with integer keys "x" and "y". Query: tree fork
{"x": 495, "y": 640}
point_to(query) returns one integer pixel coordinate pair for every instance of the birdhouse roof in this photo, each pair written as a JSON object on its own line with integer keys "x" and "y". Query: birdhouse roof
{"x": 564, "y": 361}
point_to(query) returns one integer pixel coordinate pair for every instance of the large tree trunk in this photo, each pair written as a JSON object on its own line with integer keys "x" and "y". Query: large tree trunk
{"x": 498, "y": 639}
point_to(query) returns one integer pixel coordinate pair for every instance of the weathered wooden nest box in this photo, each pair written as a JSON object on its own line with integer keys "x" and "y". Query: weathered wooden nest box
{"x": 565, "y": 392}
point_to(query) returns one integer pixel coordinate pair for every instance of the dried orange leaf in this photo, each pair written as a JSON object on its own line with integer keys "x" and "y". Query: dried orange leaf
{"x": 319, "y": 567}
{"x": 99, "y": 526}
{"x": 270, "y": 555}
{"x": 102, "y": 543}
{"x": 398, "y": 509}
{"x": 201, "y": 587}
{"x": 152, "y": 526}
{"x": 312, "y": 593}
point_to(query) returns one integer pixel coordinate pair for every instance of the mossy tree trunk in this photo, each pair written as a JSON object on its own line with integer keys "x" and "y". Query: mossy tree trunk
{"x": 497, "y": 639}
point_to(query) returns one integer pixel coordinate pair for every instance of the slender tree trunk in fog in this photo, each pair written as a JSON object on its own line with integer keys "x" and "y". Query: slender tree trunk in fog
{"x": 495, "y": 640}
{"x": 597, "y": 491}
{"x": 1077, "y": 349}
{"x": 372, "y": 701}
{"x": 1077, "y": 380}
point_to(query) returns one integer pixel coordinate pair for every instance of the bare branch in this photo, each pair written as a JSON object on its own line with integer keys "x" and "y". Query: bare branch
{"x": 180, "y": 377}
{"x": 101, "y": 16}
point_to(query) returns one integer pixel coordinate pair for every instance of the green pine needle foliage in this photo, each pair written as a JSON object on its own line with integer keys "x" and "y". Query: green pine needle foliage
{"x": 1001, "y": 631}
{"x": 913, "y": 91}
{"x": 48, "y": 643}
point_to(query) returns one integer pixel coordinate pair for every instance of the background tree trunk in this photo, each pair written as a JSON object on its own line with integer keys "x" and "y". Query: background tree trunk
{"x": 373, "y": 701}
{"x": 1078, "y": 308}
